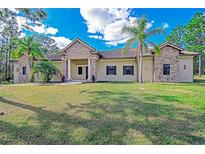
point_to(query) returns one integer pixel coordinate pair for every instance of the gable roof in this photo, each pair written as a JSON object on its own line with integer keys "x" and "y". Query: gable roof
{"x": 117, "y": 53}
{"x": 84, "y": 43}
{"x": 171, "y": 45}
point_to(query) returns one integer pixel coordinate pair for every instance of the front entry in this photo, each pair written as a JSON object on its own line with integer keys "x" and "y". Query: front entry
{"x": 86, "y": 71}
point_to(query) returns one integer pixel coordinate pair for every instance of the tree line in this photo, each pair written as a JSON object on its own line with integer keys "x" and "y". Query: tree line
{"x": 11, "y": 39}
{"x": 191, "y": 36}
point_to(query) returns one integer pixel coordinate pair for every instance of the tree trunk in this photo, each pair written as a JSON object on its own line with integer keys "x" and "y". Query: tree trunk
{"x": 140, "y": 64}
{"x": 9, "y": 60}
{"x": 6, "y": 65}
{"x": 200, "y": 64}
{"x": 153, "y": 79}
{"x": 9, "y": 54}
{"x": 137, "y": 60}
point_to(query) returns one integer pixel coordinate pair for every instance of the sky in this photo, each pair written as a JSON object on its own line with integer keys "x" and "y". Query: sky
{"x": 101, "y": 28}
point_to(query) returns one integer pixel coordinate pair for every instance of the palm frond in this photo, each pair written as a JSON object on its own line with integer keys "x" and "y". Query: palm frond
{"x": 156, "y": 31}
{"x": 141, "y": 24}
{"x": 145, "y": 47}
{"x": 129, "y": 30}
{"x": 128, "y": 44}
{"x": 156, "y": 48}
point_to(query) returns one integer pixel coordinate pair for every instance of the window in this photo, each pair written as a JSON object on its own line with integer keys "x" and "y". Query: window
{"x": 111, "y": 70}
{"x": 80, "y": 70}
{"x": 166, "y": 69}
{"x": 24, "y": 70}
{"x": 128, "y": 70}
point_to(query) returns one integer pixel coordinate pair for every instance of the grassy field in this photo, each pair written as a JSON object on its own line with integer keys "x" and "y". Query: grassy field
{"x": 103, "y": 113}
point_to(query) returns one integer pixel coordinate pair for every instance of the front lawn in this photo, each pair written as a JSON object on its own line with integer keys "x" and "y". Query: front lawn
{"x": 103, "y": 113}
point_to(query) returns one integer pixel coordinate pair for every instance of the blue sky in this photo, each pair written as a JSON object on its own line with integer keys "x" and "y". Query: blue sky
{"x": 101, "y": 27}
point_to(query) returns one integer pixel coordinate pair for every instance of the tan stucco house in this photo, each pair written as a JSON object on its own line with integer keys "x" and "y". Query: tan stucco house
{"x": 79, "y": 61}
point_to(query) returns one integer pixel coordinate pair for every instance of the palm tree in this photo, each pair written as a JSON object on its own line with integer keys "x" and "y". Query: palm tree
{"x": 139, "y": 35}
{"x": 30, "y": 46}
{"x": 47, "y": 70}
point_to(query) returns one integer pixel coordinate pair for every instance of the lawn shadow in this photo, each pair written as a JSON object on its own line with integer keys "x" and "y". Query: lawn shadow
{"x": 114, "y": 118}
{"x": 160, "y": 123}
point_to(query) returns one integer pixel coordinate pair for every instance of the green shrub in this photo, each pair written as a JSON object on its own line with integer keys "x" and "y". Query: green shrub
{"x": 46, "y": 68}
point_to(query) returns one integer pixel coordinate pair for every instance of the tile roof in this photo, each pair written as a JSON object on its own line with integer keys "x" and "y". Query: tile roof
{"x": 117, "y": 53}
{"x": 189, "y": 53}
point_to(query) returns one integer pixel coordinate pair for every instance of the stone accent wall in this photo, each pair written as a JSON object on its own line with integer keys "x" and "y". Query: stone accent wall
{"x": 64, "y": 67}
{"x": 168, "y": 55}
{"x": 18, "y": 69}
{"x": 78, "y": 51}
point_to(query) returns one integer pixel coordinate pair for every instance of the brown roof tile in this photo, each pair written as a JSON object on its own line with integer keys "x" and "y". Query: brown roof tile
{"x": 117, "y": 53}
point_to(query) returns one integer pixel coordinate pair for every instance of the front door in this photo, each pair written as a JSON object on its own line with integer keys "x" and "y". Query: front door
{"x": 86, "y": 71}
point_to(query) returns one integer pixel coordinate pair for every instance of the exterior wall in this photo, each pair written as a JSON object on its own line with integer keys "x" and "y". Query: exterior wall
{"x": 186, "y": 74}
{"x": 76, "y": 53}
{"x": 74, "y": 64}
{"x": 101, "y": 70}
{"x": 80, "y": 51}
{"x": 147, "y": 69}
{"x": 168, "y": 55}
{"x": 79, "y": 54}
{"x": 18, "y": 69}
{"x": 64, "y": 67}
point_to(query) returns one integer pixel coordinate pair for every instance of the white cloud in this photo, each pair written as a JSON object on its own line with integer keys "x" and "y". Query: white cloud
{"x": 51, "y": 30}
{"x": 165, "y": 25}
{"x": 22, "y": 21}
{"x": 96, "y": 37}
{"x": 149, "y": 24}
{"x": 61, "y": 41}
{"x": 38, "y": 27}
{"x": 97, "y": 18}
{"x": 107, "y": 22}
{"x": 42, "y": 29}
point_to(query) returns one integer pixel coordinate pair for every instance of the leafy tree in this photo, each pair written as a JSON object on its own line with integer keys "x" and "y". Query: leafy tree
{"x": 48, "y": 44}
{"x": 34, "y": 14}
{"x": 9, "y": 31}
{"x": 139, "y": 34}
{"x": 176, "y": 36}
{"x": 194, "y": 36}
{"x": 46, "y": 68}
{"x": 29, "y": 45}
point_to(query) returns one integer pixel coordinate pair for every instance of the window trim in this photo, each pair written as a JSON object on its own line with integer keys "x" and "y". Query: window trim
{"x": 128, "y": 74}
{"x": 23, "y": 70}
{"x": 77, "y": 70}
{"x": 111, "y": 66}
{"x": 169, "y": 69}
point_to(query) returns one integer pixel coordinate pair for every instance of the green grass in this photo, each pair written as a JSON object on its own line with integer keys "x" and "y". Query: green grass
{"x": 103, "y": 113}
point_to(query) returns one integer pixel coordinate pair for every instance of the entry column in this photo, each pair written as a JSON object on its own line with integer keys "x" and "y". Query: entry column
{"x": 89, "y": 66}
{"x": 69, "y": 69}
